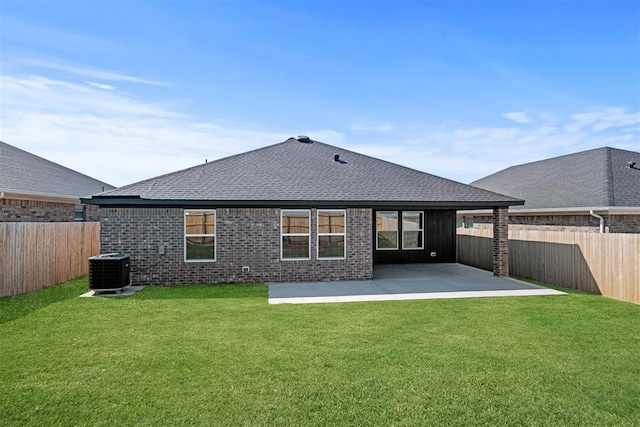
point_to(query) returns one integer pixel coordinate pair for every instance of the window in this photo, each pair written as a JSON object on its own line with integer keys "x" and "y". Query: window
{"x": 331, "y": 234}
{"x": 78, "y": 213}
{"x": 295, "y": 232}
{"x": 412, "y": 230}
{"x": 387, "y": 230}
{"x": 200, "y": 235}
{"x": 391, "y": 226}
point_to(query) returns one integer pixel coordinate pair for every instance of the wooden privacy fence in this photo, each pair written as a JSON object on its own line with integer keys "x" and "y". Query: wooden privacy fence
{"x": 38, "y": 254}
{"x": 607, "y": 264}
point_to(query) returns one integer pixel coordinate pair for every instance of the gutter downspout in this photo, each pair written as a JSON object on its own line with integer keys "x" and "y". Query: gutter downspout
{"x": 593, "y": 214}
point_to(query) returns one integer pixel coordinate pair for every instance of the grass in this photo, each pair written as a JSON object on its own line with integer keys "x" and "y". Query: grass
{"x": 220, "y": 355}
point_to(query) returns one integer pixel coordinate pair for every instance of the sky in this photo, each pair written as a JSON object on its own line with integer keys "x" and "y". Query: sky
{"x": 127, "y": 90}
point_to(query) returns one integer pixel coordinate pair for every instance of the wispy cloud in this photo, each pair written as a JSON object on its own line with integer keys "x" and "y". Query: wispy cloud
{"x": 101, "y": 86}
{"x": 469, "y": 153}
{"x": 49, "y": 38}
{"x": 118, "y": 138}
{"x": 603, "y": 119}
{"x": 518, "y": 117}
{"x": 91, "y": 72}
{"x": 383, "y": 127}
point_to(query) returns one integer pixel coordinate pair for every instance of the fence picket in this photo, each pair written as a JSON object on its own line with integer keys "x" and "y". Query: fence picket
{"x": 35, "y": 255}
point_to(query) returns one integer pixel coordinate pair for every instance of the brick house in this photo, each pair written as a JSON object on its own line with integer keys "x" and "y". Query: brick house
{"x": 33, "y": 189}
{"x": 595, "y": 191}
{"x": 294, "y": 211}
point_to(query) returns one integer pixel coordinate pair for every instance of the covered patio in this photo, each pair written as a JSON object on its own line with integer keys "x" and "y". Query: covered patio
{"x": 408, "y": 282}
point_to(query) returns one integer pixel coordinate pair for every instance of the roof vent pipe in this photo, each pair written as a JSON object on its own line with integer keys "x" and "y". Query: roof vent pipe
{"x": 336, "y": 158}
{"x": 593, "y": 214}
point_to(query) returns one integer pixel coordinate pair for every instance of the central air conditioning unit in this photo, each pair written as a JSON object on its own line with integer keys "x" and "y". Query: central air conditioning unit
{"x": 109, "y": 272}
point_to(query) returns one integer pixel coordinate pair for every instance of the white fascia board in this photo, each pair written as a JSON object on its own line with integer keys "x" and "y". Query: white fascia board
{"x": 607, "y": 210}
{"x": 35, "y": 196}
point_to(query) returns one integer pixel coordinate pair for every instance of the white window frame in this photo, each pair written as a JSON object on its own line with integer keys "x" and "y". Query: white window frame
{"x": 215, "y": 239}
{"x": 397, "y": 230}
{"x": 421, "y": 229}
{"x": 319, "y": 234}
{"x": 282, "y": 212}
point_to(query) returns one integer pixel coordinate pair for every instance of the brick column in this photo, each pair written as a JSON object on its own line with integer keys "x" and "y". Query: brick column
{"x": 501, "y": 242}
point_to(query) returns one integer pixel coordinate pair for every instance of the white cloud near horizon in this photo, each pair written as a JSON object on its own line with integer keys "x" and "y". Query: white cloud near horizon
{"x": 466, "y": 154}
{"x": 113, "y": 137}
{"x": 120, "y": 139}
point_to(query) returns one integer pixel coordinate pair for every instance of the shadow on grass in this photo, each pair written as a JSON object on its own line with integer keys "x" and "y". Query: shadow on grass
{"x": 250, "y": 290}
{"x": 556, "y": 287}
{"x": 16, "y": 306}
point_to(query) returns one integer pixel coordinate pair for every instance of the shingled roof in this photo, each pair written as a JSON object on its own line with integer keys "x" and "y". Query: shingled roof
{"x": 593, "y": 178}
{"x": 21, "y": 171}
{"x": 298, "y": 172}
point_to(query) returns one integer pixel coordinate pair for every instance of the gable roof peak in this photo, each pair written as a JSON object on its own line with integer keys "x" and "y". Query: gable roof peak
{"x": 297, "y": 171}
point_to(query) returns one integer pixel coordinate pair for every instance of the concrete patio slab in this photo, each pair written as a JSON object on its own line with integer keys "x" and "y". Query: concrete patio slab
{"x": 407, "y": 282}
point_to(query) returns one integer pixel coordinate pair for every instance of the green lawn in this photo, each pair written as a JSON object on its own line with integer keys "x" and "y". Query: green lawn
{"x": 220, "y": 355}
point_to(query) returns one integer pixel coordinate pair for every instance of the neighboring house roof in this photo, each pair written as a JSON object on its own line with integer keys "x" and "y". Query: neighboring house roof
{"x": 25, "y": 173}
{"x": 593, "y": 178}
{"x": 296, "y": 172}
